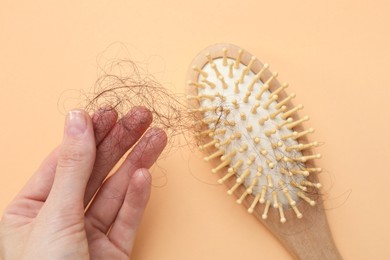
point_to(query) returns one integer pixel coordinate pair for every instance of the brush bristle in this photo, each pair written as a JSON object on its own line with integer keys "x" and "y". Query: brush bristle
{"x": 254, "y": 131}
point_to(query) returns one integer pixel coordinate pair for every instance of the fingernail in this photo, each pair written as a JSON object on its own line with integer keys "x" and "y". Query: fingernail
{"x": 76, "y": 123}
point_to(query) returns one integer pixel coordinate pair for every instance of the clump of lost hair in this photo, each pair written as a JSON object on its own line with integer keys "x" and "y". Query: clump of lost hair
{"x": 123, "y": 85}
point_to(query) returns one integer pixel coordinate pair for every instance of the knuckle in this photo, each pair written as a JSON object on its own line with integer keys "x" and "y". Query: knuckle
{"x": 71, "y": 156}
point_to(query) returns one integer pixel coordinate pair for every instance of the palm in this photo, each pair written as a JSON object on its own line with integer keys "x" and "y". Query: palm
{"x": 49, "y": 219}
{"x": 103, "y": 248}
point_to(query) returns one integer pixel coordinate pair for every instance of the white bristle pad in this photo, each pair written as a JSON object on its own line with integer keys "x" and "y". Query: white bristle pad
{"x": 251, "y": 134}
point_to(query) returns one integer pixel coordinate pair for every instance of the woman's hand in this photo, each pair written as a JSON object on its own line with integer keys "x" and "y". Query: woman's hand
{"x": 49, "y": 218}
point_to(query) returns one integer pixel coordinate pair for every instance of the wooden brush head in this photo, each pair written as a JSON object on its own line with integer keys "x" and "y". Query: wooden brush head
{"x": 250, "y": 127}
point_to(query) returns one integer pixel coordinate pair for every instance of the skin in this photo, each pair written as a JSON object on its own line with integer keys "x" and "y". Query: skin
{"x": 69, "y": 209}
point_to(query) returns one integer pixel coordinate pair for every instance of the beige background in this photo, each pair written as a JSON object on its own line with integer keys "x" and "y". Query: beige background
{"x": 335, "y": 55}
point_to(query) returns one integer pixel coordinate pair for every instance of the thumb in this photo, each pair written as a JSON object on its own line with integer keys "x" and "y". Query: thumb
{"x": 75, "y": 163}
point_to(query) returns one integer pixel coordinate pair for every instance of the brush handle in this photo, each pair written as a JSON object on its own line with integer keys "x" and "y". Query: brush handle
{"x": 313, "y": 243}
{"x": 307, "y": 238}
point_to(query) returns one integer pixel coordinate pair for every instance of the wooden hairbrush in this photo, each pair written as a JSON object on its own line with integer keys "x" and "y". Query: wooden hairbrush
{"x": 251, "y": 130}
